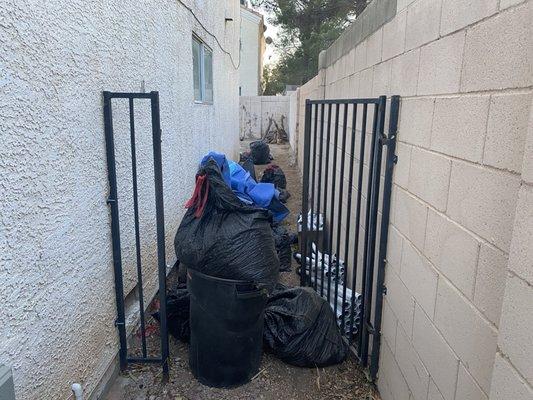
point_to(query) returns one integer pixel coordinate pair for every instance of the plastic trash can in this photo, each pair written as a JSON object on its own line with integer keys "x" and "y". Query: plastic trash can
{"x": 226, "y": 318}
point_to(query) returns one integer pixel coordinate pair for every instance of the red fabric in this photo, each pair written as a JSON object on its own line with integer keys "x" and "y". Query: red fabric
{"x": 199, "y": 196}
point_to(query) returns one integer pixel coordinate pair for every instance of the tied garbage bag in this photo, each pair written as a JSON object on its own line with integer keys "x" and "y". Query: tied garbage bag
{"x": 222, "y": 237}
{"x": 274, "y": 174}
{"x": 301, "y": 329}
{"x": 260, "y": 152}
{"x": 283, "y": 247}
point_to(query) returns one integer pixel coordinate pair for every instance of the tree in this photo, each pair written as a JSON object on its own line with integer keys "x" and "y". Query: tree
{"x": 306, "y": 28}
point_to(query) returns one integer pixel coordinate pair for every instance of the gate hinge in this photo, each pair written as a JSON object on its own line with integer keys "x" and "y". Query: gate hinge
{"x": 384, "y": 290}
{"x": 370, "y": 329}
{"x": 117, "y": 323}
{"x": 395, "y": 159}
{"x": 110, "y": 200}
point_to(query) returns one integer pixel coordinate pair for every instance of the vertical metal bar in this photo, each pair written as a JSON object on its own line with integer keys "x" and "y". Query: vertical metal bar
{"x": 358, "y": 215}
{"x": 319, "y": 189}
{"x": 137, "y": 234}
{"x": 326, "y": 178}
{"x": 160, "y": 220}
{"x": 332, "y": 215}
{"x": 385, "y": 217}
{"x": 313, "y": 231}
{"x": 305, "y": 192}
{"x": 348, "y": 218}
{"x": 115, "y": 229}
{"x": 339, "y": 211}
{"x": 372, "y": 213}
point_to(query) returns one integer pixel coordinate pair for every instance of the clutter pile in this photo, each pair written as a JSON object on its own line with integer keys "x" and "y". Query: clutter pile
{"x": 231, "y": 236}
{"x": 327, "y": 273}
{"x": 275, "y": 133}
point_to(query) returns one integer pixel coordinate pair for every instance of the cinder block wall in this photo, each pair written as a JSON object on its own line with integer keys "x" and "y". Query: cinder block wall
{"x": 461, "y": 228}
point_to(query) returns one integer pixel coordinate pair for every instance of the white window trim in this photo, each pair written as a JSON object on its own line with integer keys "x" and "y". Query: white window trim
{"x": 203, "y": 46}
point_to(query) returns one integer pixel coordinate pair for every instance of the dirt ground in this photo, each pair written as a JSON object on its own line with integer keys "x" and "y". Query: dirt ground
{"x": 275, "y": 380}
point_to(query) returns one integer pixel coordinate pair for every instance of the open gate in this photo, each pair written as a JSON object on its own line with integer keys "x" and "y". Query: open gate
{"x": 112, "y": 200}
{"x": 345, "y": 212}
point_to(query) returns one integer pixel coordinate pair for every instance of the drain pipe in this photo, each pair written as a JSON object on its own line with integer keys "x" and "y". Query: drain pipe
{"x": 77, "y": 390}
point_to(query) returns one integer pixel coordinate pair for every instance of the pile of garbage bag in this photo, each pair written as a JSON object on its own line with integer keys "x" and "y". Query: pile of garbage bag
{"x": 231, "y": 230}
{"x": 261, "y": 195}
{"x": 223, "y": 237}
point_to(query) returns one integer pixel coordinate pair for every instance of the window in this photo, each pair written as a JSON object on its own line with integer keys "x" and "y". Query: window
{"x": 202, "y": 59}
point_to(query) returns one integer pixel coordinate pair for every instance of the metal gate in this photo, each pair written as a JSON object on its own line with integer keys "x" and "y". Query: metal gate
{"x": 112, "y": 200}
{"x": 345, "y": 218}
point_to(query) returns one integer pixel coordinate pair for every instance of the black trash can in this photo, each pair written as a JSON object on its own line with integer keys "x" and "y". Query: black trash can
{"x": 226, "y": 329}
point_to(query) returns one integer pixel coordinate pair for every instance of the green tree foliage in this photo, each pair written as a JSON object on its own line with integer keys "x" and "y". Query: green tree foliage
{"x": 306, "y": 28}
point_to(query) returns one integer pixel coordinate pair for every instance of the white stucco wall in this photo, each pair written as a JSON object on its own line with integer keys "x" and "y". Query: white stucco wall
{"x": 57, "y": 299}
{"x": 251, "y": 37}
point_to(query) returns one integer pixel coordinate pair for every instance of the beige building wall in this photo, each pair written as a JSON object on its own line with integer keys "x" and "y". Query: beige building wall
{"x": 251, "y": 54}
{"x": 462, "y": 206}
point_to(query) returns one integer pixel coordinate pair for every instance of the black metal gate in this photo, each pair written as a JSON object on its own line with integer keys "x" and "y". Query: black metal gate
{"x": 342, "y": 237}
{"x": 115, "y": 228}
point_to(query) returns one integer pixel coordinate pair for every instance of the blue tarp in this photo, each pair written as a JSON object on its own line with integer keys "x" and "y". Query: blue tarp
{"x": 263, "y": 195}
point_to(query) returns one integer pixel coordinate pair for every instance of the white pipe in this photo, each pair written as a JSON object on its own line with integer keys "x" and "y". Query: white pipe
{"x": 77, "y": 390}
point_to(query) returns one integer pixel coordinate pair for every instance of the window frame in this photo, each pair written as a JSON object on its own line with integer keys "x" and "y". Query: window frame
{"x": 201, "y": 64}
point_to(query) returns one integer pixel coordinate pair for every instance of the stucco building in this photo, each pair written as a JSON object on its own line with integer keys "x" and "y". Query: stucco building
{"x": 252, "y": 51}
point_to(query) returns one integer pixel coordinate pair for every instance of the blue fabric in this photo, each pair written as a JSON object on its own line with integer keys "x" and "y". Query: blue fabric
{"x": 263, "y": 195}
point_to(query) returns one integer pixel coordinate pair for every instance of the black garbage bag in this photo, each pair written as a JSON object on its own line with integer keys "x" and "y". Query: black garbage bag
{"x": 260, "y": 152}
{"x": 178, "y": 303}
{"x": 247, "y": 163}
{"x": 284, "y": 195}
{"x": 274, "y": 174}
{"x": 222, "y": 237}
{"x": 301, "y": 329}
{"x": 283, "y": 247}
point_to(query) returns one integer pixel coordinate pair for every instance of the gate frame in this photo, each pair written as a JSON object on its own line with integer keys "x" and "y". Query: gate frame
{"x": 379, "y": 140}
{"x": 112, "y": 201}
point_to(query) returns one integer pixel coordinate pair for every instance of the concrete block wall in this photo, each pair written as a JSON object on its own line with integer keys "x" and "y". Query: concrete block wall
{"x": 461, "y": 215}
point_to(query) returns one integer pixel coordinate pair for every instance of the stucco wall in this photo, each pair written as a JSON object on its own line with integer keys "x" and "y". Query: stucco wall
{"x": 56, "y": 58}
{"x": 251, "y": 41}
{"x": 293, "y": 120}
{"x": 463, "y": 70}
{"x": 257, "y": 111}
